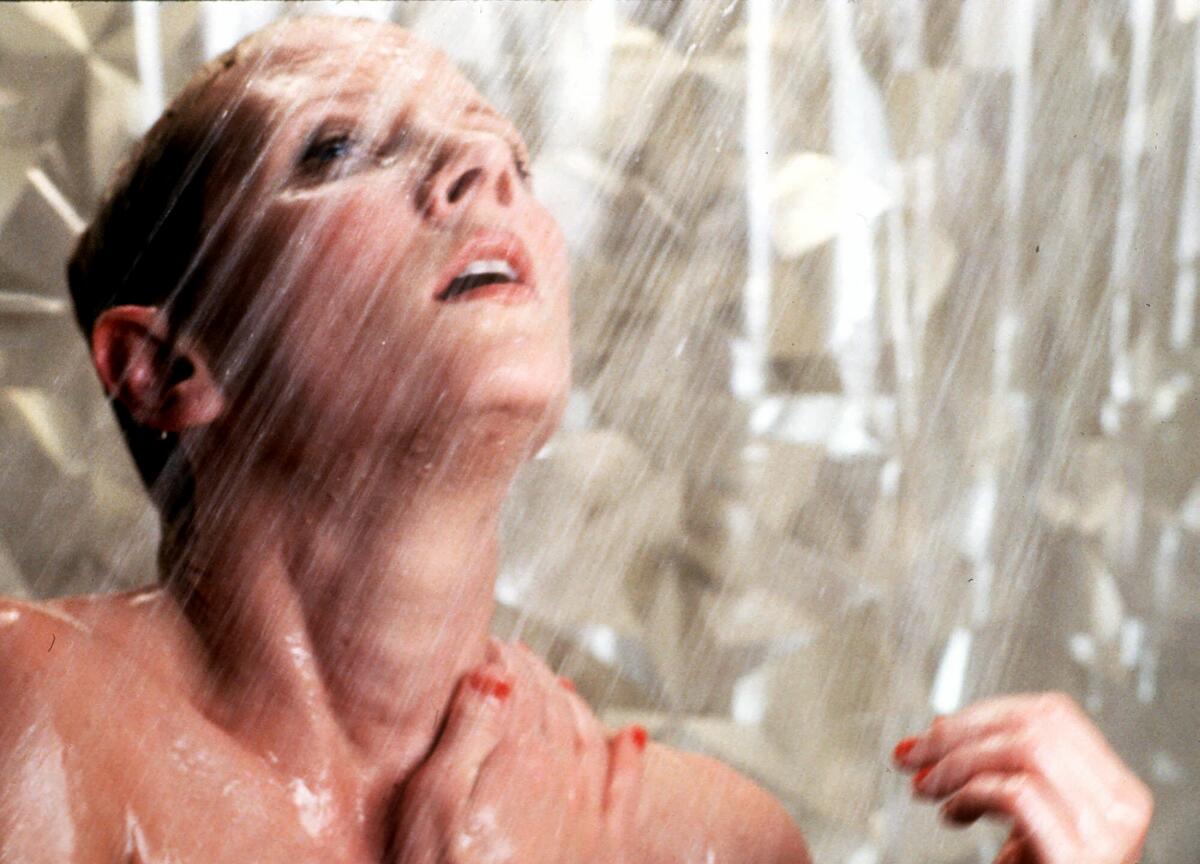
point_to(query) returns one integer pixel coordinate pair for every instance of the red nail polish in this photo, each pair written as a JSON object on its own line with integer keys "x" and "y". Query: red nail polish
{"x": 920, "y": 776}
{"x": 638, "y": 734}
{"x": 489, "y": 685}
{"x": 567, "y": 684}
{"x": 903, "y": 749}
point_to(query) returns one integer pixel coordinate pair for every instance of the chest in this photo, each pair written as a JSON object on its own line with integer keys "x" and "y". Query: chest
{"x": 180, "y": 794}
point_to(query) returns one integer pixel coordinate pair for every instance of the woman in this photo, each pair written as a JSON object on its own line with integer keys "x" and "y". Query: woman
{"x": 333, "y": 320}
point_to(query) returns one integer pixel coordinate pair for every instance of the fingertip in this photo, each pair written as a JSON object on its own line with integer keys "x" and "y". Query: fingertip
{"x": 477, "y": 716}
{"x": 489, "y": 685}
{"x": 904, "y": 749}
{"x": 626, "y": 770}
{"x": 920, "y": 777}
{"x": 628, "y": 745}
{"x": 639, "y": 736}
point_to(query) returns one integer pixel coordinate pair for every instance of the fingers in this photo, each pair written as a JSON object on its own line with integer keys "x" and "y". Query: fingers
{"x": 475, "y": 725}
{"x": 1039, "y": 761}
{"x": 607, "y": 770}
{"x": 1002, "y": 753}
{"x": 544, "y": 702}
{"x": 521, "y": 754}
{"x": 626, "y": 768}
{"x": 980, "y": 719}
{"x": 568, "y": 735}
{"x": 590, "y": 741}
{"x": 1000, "y": 772}
{"x": 1032, "y": 805}
{"x": 1017, "y": 850}
{"x": 588, "y": 728}
{"x": 1046, "y": 734}
{"x": 992, "y": 716}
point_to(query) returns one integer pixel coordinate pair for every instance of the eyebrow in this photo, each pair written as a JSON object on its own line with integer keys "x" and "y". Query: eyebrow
{"x": 491, "y": 114}
{"x": 481, "y": 108}
{"x": 517, "y": 140}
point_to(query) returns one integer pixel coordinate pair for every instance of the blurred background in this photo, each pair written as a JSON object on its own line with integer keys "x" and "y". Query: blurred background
{"x": 886, "y": 365}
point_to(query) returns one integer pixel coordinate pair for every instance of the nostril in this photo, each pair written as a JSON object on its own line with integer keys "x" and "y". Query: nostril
{"x": 504, "y": 189}
{"x": 462, "y": 184}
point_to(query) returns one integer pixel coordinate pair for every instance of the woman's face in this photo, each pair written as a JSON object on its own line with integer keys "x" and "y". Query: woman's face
{"x": 380, "y": 175}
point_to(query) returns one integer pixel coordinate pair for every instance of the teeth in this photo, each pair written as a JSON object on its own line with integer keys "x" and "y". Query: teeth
{"x": 490, "y": 265}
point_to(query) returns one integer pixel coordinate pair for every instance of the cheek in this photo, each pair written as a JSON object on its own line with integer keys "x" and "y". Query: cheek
{"x": 552, "y": 250}
{"x": 333, "y": 287}
{"x": 354, "y": 268}
{"x": 555, "y": 246}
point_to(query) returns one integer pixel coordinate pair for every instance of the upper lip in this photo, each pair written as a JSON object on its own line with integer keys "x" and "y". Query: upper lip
{"x": 486, "y": 245}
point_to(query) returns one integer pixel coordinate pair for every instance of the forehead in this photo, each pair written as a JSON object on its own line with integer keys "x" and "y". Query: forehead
{"x": 335, "y": 61}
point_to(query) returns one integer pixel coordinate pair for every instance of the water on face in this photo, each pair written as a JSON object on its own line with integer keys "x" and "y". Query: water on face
{"x": 884, "y": 367}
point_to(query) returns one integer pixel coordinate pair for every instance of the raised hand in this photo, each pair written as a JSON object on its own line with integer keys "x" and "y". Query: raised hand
{"x": 523, "y": 773}
{"x": 1038, "y": 761}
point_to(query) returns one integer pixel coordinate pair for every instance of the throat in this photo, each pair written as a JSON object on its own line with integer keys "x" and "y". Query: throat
{"x": 337, "y": 627}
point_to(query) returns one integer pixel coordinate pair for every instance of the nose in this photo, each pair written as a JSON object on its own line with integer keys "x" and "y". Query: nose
{"x": 478, "y": 172}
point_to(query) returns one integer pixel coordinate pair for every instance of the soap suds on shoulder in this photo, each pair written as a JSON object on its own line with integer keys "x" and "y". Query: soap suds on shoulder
{"x": 37, "y": 791}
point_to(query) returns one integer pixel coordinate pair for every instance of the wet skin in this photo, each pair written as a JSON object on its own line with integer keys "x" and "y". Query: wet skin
{"x": 315, "y": 682}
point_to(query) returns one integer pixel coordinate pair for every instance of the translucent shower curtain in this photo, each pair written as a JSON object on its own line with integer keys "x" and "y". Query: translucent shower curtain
{"x": 885, "y": 368}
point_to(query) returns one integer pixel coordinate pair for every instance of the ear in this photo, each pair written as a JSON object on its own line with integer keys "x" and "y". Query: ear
{"x": 165, "y": 383}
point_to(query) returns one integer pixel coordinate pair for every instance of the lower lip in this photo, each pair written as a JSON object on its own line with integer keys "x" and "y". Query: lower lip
{"x": 508, "y": 293}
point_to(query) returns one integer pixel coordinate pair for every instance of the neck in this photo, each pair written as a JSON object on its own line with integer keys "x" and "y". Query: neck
{"x": 336, "y": 626}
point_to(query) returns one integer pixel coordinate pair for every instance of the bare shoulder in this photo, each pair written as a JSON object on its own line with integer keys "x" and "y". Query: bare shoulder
{"x": 34, "y": 688}
{"x": 56, "y": 676}
{"x": 29, "y": 672}
{"x": 63, "y": 657}
{"x": 710, "y": 812}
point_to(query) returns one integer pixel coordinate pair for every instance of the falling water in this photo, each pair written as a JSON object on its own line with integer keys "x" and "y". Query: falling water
{"x": 884, "y": 374}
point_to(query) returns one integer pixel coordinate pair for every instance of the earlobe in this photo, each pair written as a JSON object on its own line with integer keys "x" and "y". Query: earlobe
{"x": 165, "y": 384}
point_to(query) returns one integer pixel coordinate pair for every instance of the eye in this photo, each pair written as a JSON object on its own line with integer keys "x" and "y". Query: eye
{"x": 322, "y": 152}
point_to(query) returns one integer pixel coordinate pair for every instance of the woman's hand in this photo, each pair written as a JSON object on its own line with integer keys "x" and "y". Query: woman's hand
{"x": 1040, "y": 762}
{"x": 523, "y": 772}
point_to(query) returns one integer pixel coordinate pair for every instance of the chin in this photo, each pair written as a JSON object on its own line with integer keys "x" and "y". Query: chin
{"x": 518, "y": 407}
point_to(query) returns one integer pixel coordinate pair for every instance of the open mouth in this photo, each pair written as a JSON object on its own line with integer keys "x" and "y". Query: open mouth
{"x": 493, "y": 264}
{"x": 494, "y": 271}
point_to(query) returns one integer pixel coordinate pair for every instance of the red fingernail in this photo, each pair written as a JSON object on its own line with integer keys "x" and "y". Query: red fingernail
{"x": 567, "y": 683}
{"x": 903, "y": 749}
{"x": 920, "y": 776}
{"x": 638, "y": 734}
{"x": 489, "y": 685}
